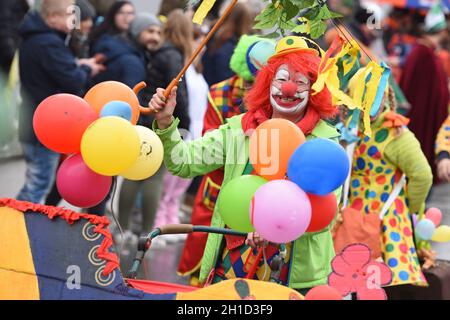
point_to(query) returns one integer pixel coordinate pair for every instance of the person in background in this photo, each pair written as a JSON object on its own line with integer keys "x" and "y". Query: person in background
{"x": 11, "y": 14}
{"x": 164, "y": 65}
{"x": 139, "y": 194}
{"x": 47, "y": 67}
{"x": 122, "y": 45}
{"x": 424, "y": 83}
{"x": 217, "y": 57}
{"x": 79, "y": 43}
{"x": 443, "y": 151}
{"x": 174, "y": 187}
{"x": 197, "y": 88}
{"x": 197, "y": 93}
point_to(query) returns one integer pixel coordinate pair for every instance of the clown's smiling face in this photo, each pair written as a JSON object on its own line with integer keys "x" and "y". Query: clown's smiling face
{"x": 289, "y": 92}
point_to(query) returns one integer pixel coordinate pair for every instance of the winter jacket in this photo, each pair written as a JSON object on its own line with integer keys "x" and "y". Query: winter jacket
{"x": 125, "y": 61}
{"x": 47, "y": 67}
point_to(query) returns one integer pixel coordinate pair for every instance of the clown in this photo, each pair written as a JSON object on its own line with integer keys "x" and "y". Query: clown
{"x": 283, "y": 89}
{"x": 225, "y": 100}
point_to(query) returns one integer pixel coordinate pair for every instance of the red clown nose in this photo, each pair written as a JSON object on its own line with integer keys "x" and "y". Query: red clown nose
{"x": 288, "y": 89}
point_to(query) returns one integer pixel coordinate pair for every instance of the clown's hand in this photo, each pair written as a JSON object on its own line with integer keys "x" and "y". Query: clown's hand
{"x": 163, "y": 108}
{"x": 254, "y": 240}
{"x": 443, "y": 169}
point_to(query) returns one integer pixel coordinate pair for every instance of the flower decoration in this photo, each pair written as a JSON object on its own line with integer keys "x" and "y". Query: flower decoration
{"x": 354, "y": 271}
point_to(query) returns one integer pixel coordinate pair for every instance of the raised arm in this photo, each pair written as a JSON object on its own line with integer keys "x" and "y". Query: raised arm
{"x": 183, "y": 159}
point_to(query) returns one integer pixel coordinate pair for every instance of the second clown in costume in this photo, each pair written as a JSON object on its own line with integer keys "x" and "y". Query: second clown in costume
{"x": 379, "y": 161}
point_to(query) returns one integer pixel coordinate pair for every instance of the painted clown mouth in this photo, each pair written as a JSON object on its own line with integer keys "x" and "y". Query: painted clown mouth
{"x": 287, "y": 102}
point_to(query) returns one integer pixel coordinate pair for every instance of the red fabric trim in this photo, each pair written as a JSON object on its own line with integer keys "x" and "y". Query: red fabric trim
{"x": 112, "y": 261}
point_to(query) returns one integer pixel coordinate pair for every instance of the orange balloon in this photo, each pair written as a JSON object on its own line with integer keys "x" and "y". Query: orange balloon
{"x": 108, "y": 91}
{"x": 272, "y": 145}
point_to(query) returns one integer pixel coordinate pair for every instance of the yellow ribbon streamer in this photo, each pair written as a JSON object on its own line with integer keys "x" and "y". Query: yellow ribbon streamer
{"x": 202, "y": 11}
{"x": 329, "y": 75}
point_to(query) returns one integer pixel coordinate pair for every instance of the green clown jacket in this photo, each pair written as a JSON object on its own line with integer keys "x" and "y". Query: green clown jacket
{"x": 228, "y": 147}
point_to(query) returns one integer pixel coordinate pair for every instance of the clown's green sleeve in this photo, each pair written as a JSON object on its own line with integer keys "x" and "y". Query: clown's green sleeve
{"x": 194, "y": 158}
{"x": 406, "y": 154}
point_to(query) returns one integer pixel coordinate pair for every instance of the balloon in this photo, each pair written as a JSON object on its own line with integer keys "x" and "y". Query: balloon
{"x": 280, "y": 211}
{"x": 79, "y": 185}
{"x": 323, "y": 210}
{"x": 425, "y": 229}
{"x": 108, "y": 91}
{"x": 150, "y": 157}
{"x": 272, "y": 145}
{"x": 110, "y": 146}
{"x": 234, "y": 201}
{"x": 60, "y": 121}
{"x": 118, "y": 109}
{"x": 435, "y": 215}
{"x": 323, "y": 292}
{"x": 319, "y": 166}
{"x": 442, "y": 234}
{"x": 260, "y": 53}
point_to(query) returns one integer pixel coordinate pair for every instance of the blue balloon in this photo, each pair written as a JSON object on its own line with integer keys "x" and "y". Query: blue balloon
{"x": 319, "y": 166}
{"x": 425, "y": 229}
{"x": 117, "y": 109}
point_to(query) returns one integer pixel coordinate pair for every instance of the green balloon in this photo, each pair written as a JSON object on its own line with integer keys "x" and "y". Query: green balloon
{"x": 234, "y": 202}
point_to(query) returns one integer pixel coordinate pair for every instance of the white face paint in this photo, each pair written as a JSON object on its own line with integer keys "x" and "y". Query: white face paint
{"x": 290, "y": 102}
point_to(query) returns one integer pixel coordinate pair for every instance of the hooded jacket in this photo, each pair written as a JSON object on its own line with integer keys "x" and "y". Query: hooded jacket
{"x": 47, "y": 67}
{"x": 125, "y": 62}
{"x": 164, "y": 66}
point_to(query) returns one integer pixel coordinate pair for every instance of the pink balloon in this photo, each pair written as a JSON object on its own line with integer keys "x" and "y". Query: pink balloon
{"x": 79, "y": 185}
{"x": 435, "y": 215}
{"x": 280, "y": 211}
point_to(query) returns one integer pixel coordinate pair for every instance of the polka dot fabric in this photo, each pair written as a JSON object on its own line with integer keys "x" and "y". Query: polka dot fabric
{"x": 373, "y": 179}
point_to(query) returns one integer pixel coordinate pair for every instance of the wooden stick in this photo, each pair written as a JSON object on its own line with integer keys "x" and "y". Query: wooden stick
{"x": 200, "y": 47}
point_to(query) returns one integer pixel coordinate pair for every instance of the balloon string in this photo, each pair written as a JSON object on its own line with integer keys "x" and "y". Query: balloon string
{"x": 113, "y": 194}
{"x": 265, "y": 262}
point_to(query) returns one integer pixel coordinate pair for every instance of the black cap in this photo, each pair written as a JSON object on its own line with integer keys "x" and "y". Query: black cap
{"x": 87, "y": 11}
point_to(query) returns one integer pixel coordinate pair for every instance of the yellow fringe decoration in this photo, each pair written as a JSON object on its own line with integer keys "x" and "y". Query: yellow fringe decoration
{"x": 203, "y": 11}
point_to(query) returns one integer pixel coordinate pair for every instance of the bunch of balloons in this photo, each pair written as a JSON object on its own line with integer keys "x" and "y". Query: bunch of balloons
{"x": 428, "y": 228}
{"x": 292, "y": 190}
{"x": 100, "y": 135}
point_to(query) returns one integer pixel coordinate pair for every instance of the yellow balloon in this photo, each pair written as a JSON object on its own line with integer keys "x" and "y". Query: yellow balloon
{"x": 442, "y": 234}
{"x": 150, "y": 158}
{"x": 110, "y": 145}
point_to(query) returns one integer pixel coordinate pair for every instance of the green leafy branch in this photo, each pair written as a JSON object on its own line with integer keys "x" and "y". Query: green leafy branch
{"x": 298, "y": 16}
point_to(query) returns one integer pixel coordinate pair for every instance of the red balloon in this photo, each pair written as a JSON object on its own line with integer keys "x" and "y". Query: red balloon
{"x": 60, "y": 121}
{"x": 79, "y": 185}
{"x": 323, "y": 210}
{"x": 323, "y": 293}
